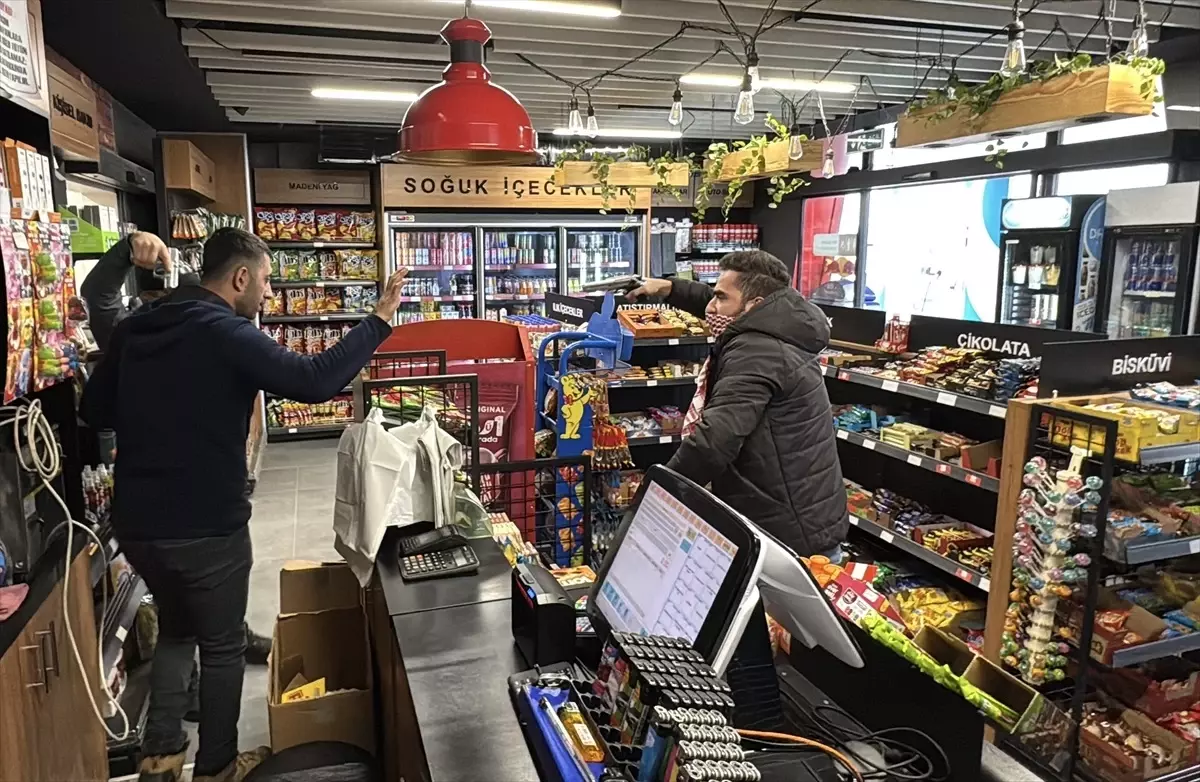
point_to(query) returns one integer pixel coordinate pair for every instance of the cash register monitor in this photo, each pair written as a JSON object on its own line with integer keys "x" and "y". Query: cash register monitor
{"x": 685, "y": 564}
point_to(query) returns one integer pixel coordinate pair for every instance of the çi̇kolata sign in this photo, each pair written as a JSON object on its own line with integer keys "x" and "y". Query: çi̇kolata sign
{"x": 1010, "y": 341}
{"x": 506, "y": 187}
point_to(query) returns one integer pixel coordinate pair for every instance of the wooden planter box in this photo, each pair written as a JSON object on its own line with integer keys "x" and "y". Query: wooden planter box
{"x": 775, "y": 161}
{"x": 1106, "y": 92}
{"x": 579, "y": 173}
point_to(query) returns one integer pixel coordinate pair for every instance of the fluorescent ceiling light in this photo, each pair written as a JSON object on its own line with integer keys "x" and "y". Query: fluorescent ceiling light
{"x": 1183, "y": 108}
{"x": 783, "y": 85}
{"x": 390, "y": 96}
{"x": 624, "y": 133}
{"x": 606, "y": 10}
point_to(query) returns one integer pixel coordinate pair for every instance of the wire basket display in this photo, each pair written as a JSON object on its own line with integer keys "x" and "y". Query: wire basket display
{"x": 550, "y": 503}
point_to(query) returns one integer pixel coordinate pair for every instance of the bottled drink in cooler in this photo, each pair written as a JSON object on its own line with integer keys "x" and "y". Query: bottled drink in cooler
{"x": 1170, "y": 259}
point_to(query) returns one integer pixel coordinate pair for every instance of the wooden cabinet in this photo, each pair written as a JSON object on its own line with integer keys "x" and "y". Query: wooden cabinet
{"x": 48, "y": 732}
{"x": 185, "y": 167}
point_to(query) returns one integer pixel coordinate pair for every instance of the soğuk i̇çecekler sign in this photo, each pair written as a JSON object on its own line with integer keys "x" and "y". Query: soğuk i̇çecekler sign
{"x": 1008, "y": 341}
{"x": 498, "y": 187}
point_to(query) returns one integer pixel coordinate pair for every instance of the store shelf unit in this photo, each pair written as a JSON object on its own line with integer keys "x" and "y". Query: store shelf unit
{"x": 947, "y": 469}
{"x": 936, "y": 395}
{"x": 914, "y": 549}
{"x": 321, "y": 245}
{"x": 326, "y": 317}
{"x": 279, "y": 434}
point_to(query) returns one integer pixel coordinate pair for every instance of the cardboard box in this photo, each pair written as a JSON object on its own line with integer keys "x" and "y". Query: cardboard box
{"x": 853, "y": 599}
{"x": 982, "y": 537}
{"x": 1111, "y": 763}
{"x": 1105, "y": 641}
{"x": 982, "y": 457}
{"x": 321, "y": 632}
{"x": 1175, "y": 686}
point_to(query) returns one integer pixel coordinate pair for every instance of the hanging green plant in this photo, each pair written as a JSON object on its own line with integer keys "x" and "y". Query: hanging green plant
{"x": 613, "y": 176}
{"x": 752, "y": 157}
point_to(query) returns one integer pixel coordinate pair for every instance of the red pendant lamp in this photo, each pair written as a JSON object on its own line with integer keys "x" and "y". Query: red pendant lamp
{"x": 467, "y": 118}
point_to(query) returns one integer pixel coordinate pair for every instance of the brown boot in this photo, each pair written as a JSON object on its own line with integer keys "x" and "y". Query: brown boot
{"x": 162, "y": 768}
{"x": 239, "y": 768}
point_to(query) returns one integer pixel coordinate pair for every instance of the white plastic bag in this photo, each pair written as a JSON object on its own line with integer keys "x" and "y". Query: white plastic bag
{"x": 375, "y": 473}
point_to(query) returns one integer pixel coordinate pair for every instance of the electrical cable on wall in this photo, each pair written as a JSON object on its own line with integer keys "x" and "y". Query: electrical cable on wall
{"x": 45, "y": 461}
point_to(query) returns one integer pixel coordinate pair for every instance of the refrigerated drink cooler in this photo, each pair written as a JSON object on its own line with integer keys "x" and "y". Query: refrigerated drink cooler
{"x": 1042, "y": 273}
{"x": 489, "y": 266}
{"x": 1150, "y": 252}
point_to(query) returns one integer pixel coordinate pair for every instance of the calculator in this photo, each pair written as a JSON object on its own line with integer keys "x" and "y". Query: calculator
{"x": 452, "y": 562}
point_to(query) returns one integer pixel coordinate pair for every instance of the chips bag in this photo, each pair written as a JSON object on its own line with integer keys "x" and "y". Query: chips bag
{"x": 306, "y": 224}
{"x": 285, "y": 224}
{"x": 264, "y": 222}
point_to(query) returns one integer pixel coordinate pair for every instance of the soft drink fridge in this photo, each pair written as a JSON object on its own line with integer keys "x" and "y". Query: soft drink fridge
{"x": 491, "y": 266}
{"x": 1040, "y": 263}
{"x": 1150, "y": 250}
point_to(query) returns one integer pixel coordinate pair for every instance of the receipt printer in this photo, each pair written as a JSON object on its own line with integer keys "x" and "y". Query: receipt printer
{"x": 543, "y": 616}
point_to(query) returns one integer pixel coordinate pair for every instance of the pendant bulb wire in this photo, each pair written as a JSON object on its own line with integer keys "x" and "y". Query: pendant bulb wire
{"x": 675, "y": 116}
{"x": 744, "y": 113}
{"x": 1014, "y": 53}
{"x": 575, "y": 119}
{"x": 593, "y": 126}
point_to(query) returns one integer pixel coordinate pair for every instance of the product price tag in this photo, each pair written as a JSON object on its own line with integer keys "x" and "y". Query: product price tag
{"x": 651, "y": 383}
{"x": 843, "y": 375}
{"x": 974, "y": 480}
{"x": 842, "y": 434}
{"x": 666, "y": 438}
{"x": 944, "y": 398}
{"x": 886, "y": 536}
{"x": 324, "y": 317}
{"x": 869, "y": 445}
{"x": 712, "y": 340}
{"x": 890, "y": 385}
{"x": 985, "y": 583}
{"x": 964, "y": 575}
{"x": 291, "y": 430}
{"x": 318, "y": 244}
{"x": 914, "y": 460}
{"x": 673, "y": 341}
{"x": 943, "y": 469}
{"x": 996, "y": 411}
{"x": 853, "y": 519}
{"x": 320, "y": 284}
{"x": 1194, "y": 546}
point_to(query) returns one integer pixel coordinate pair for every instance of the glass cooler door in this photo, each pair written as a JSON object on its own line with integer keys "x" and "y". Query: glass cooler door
{"x": 1146, "y": 296}
{"x": 600, "y": 253}
{"x": 1033, "y": 275}
{"x": 520, "y": 266}
{"x": 441, "y": 283}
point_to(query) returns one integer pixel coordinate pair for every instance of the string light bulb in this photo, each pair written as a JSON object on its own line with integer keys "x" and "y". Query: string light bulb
{"x": 744, "y": 114}
{"x": 1014, "y": 54}
{"x": 1139, "y": 41}
{"x": 752, "y": 72}
{"x": 675, "y": 117}
{"x": 795, "y": 143}
{"x": 593, "y": 127}
{"x": 575, "y": 119}
{"x": 827, "y": 167}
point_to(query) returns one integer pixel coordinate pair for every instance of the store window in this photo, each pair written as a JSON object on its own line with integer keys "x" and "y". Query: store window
{"x": 892, "y": 157}
{"x": 935, "y": 249}
{"x": 829, "y": 253}
{"x": 1099, "y": 181}
{"x": 1117, "y": 128}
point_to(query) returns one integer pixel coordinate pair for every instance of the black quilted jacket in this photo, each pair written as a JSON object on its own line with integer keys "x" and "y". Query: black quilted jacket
{"x": 765, "y": 441}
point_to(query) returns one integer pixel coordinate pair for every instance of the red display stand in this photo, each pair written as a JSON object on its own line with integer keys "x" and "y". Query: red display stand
{"x": 499, "y": 353}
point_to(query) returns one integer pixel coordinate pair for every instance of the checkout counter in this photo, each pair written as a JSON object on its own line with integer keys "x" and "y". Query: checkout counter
{"x": 445, "y": 650}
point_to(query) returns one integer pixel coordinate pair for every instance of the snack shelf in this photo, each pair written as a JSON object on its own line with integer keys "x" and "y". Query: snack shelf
{"x": 282, "y": 433}
{"x": 331, "y": 244}
{"x": 1155, "y": 650}
{"x": 912, "y": 548}
{"x": 718, "y": 250}
{"x": 947, "y": 469}
{"x": 449, "y": 268}
{"x": 662, "y": 439}
{"x": 118, "y": 621}
{"x": 1165, "y": 454}
{"x": 416, "y": 299}
{"x": 601, "y": 265}
{"x": 658, "y": 341}
{"x": 328, "y": 316}
{"x": 504, "y": 267}
{"x": 651, "y": 383}
{"x": 514, "y": 296}
{"x": 1140, "y": 553}
{"x": 320, "y": 283}
{"x": 937, "y": 395}
{"x": 269, "y": 395}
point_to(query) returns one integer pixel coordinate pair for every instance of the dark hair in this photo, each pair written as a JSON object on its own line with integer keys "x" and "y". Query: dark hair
{"x": 759, "y": 273}
{"x": 229, "y": 246}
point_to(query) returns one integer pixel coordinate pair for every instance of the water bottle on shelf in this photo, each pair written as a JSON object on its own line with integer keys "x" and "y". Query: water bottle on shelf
{"x": 1170, "y": 267}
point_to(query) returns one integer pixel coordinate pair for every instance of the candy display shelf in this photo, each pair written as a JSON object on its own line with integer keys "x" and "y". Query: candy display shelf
{"x": 118, "y": 621}
{"x": 346, "y": 390}
{"x": 1138, "y": 554}
{"x": 914, "y": 549}
{"x": 319, "y": 283}
{"x": 1166, "y": 454}
{"x": 415, "y": 299}
{"x": 947, "y": 469}
{"x": 1155, "y": 650}
{"x": 328, "y": 316}
{"x": 283, "y": 433}
{"x": 662, "y": 439}
{"x": 660, "y": 341}
{"x": 329, "y": 244}
{"x": 651, "y": 383}
{"x": 936, "y": 395}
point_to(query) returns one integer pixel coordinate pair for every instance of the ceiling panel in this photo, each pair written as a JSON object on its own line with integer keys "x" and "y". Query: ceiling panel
{"x": 262, "y": 59}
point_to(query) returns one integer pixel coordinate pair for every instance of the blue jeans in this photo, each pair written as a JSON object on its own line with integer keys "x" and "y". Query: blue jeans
{"x": 835, "y": 555}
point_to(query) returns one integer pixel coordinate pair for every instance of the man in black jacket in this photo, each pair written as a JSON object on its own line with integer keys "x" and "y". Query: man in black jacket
{"x": 141, "y": 252}
{"x": 178, "y": 385}
{"x": 764, "y": 438}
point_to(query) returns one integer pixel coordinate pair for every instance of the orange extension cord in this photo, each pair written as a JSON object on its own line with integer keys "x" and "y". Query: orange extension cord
{"x": 763, "y": 734}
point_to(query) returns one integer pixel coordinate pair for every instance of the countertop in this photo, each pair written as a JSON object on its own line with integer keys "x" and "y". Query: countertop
{"x": 492, "y": 582}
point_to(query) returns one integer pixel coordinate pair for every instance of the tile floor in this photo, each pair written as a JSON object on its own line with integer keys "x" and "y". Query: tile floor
{"x": 293, "y": 519}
